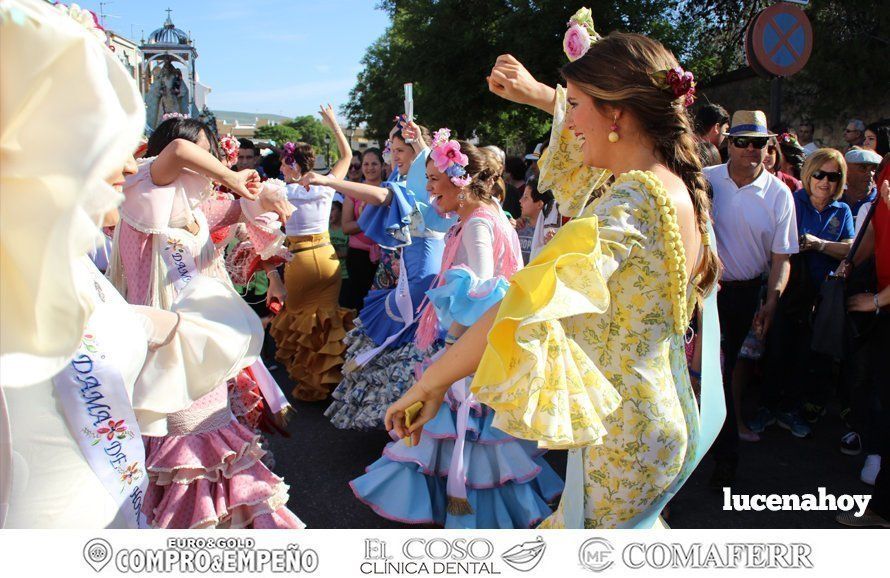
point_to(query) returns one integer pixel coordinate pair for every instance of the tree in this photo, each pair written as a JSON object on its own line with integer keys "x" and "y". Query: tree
{"x": 845, "y": 73}
{"x": 303, "y": 129}
{"x": 447, "y": 47}
{"x": 311, "y": 130}
{"x": 279, "y": 133}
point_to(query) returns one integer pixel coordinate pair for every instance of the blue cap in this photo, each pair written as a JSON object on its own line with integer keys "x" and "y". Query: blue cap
{"x": 862, "y": 157}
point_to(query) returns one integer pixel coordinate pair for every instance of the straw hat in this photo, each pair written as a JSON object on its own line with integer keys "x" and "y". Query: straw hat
{"x": 749, "y": 123}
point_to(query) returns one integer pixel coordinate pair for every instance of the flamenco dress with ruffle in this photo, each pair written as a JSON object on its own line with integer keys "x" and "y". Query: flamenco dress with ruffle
{"x": 587, "y": 350}
{"x": 205, "y": 469}
{"x": 310, "y": 329}
{"x": 464, "y": 473}
{"x": 381, "y": 357}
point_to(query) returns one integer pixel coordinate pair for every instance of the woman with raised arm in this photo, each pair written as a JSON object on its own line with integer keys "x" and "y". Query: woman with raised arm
{"x": 464, "y": 473}
{"x": 382, "y": 356}
{"x": 203, "y": 464}
{"x": 310, "y": 329}
{"x": 586, "y": 351}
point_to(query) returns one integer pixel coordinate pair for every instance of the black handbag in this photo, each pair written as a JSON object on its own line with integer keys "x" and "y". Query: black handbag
{"x": 831, "y": 323}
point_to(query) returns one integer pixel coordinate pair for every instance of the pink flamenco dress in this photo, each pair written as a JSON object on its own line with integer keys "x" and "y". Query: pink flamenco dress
{"x": 204, "y": 466}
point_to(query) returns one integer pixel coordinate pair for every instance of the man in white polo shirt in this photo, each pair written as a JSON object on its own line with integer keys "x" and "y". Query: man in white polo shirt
{"x": 756, "y": 231}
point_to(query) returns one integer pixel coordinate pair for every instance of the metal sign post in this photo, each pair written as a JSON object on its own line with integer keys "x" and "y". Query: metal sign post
{"x": 778, "y": 43}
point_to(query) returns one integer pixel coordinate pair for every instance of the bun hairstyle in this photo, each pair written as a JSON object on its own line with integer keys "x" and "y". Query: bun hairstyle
{"x": 493, "y": 162}
{"x": 484, "y": 174}
{"x": 303, "y": 156}
{"x": 189, "y": 129}
{"x": 619, "y": 70}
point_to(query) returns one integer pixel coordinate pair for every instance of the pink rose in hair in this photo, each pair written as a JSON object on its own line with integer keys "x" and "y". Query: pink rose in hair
{"x": 576, "y": 42}
{"x": 449, "y": 153}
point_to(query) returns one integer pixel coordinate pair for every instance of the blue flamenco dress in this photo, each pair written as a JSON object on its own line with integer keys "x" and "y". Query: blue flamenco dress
{"x": 506, "y": 481}
{"x": 381, "y": 356}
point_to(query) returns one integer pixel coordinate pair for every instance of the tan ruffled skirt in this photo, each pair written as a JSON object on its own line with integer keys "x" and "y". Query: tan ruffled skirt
{"x": 310, "y": 328}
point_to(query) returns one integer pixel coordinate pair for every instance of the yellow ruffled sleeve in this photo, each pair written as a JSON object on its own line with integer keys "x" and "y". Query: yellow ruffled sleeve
{"x": 562, "y": 165}
{"x": 542, "y": 385}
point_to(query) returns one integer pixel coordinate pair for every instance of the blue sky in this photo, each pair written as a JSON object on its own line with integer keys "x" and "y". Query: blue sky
{"x": 269, "y": 56}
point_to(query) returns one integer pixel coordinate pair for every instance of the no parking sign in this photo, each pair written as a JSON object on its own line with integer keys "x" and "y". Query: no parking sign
{"x": 779, "y": 41}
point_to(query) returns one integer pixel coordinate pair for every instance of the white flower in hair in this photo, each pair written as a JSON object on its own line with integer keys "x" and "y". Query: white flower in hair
{"x": 86, "y": 18}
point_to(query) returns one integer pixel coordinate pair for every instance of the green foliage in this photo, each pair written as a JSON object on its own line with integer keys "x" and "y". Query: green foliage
{"x": 846, "y": 71}
{"x": 447, "y": 47}
{"x": 279, "y": 133}
{"x": 303, "y": 129}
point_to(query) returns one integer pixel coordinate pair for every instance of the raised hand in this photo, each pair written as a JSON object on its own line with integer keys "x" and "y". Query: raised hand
{"x": 329, "y": 117}
{"x": 510, "y": 80}
{"x": 411, "y": 131}
{"x": 400, "y": 124}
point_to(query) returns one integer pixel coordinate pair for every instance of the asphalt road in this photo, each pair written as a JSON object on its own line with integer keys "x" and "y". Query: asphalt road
{"x": 318, "y": 460}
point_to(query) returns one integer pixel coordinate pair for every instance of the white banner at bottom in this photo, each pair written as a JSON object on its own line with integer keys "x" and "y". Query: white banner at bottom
{"x": 348, "y": 553}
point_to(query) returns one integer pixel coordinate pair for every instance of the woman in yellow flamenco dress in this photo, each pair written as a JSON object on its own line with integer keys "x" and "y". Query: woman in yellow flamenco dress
{"x": 586, "y": 351}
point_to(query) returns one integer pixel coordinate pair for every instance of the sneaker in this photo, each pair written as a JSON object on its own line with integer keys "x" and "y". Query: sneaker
{"x": 762, "y": 419}
{"x": 812, "y": 412}
{"x": 867, "y": 520}
{"x": 851, "y": 444}
{"x": 792, "y": 421}
{"x": 871, "y": 468}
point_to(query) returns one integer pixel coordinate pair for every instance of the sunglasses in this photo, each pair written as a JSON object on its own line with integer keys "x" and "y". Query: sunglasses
{"x": 833, "y": 177}
{"x": 742, "y": 142}
{"x": 355, "y": 167}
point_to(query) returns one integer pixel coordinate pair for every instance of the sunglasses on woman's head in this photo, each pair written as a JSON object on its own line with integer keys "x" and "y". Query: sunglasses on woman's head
{"x": 833, "y": 177}
{"x": 742, "y": 142}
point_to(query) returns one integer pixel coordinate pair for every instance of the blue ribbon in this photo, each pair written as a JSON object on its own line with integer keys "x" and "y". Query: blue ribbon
{"x": 712, "y": 413}
{"x": 748, "y": 128}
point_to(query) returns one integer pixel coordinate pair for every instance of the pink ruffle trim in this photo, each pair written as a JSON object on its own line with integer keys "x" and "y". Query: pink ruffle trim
{"x": 246, "y": 400}
{"x": 214, "y": 479}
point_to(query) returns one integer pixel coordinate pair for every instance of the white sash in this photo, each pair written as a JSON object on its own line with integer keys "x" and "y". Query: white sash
{"x": 406, "y": 312}
{"x": 178, "y": 259}
{"x": 100, "y": 416}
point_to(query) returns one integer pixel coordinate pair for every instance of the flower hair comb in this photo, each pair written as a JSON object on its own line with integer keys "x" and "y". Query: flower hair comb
{"x": 230, "y": 146}
{"x": 287, "y": 153}
{"x": 580, "y": 35}
{"x": 679, "y": 82}
{"x": 448, "y": 158}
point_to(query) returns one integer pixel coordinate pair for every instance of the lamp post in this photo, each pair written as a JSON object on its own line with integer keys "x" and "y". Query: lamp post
{"x": 327, "y": 150}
